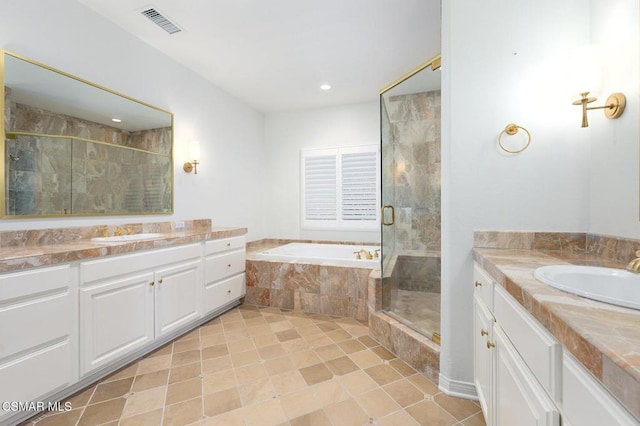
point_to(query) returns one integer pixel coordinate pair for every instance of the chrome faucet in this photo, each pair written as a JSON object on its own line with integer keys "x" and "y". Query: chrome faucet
{"x": 634, "y": 265}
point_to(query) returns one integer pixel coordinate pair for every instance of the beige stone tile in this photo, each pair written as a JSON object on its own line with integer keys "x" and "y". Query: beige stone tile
{"x": 430, "y": 413}
{"x": 193, "y": 334}
{"x": 301, "y": 322}
{"x": 123, "y": 373}
{"x": 185, "y": 372}
{"x": 404, "y": 392}
{"x": 256, "y": 391}
{"x": 341, "y": 366}
{"x": 318, "y": 340}
{"x": 368, "y": 341}
{"x": 316, "y": 418}
{"x": 163, "y": 350}
{"x": 256, "y": 322}
{"x": 305, "y": 359}
{"x": 221, "y": 402}
{"x": 424, "y": 384}
{"x": 68, "y": 418}
{"x": 150, "y": 418}
{"x": 298, "y": 403}
{"x": 216, "y": 365}
{"x": 295, "y": 345}
{"x": 230, "y": 418}
{"x": 183, "y": 413}
{"x": 186, "y": 345}
{"x": 330, "y": 391}
{"x": 182, "y": 391}
{"x": 244, "y": 358}
{"x": 287, "y": 335}
{"x": 383, "y": 353}
{"x": 186, "y": 357}
{"x": 281, "y": 326}
{"x": 145, "y": 400}
{"x": 111, "y": 390}
{"x": 241, "y": 346}
{"x": 402, "y": 367}
{"x": 365, "y": 359}
{"x": 339, "y": 335}
{"x": 271, "y": 351}
{"x": 346, "y": 413}
{"x": 350, "y": 346}
{"x": 316, "y": 374}
{"x": 208, "y": 330}
{"x": 290, "y": 381}
{"x": 309, "y": 330}
{"x": 358, "y": 382}
{"x": 215, "y": 351}
{"x": 80, "y": 399}
{"x": 250, "y": 373}
{"x": 279, "y": 365}
{"x": 267, "y": 339}
{"x": 212, "y": 340}
{"x": 457, "y": 407}
{"x": 376, "y": 403}
{"x": 328, "y": 352}
{"x": 475, "y": 420}
{"x": 399, "y": 418}
{"x": 383, "y": 374}
{"x": 149, "y": 365}
{"x": 150, "y": 380}
{"x": 328, "y": 326}
{"x": 102, "y": 412}
{"x": 259, "y": 330}
{"x": 357, "y": 330}
{"x": 216, "y": 382}
{"x": 265, "y": 413}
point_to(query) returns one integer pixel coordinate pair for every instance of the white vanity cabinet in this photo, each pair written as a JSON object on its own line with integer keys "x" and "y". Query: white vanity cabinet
{"x": 523, "y": 375}
{"x": 38, "y": 333}
{"x": 224, "y": 271}
{"x": 128, "y": 301}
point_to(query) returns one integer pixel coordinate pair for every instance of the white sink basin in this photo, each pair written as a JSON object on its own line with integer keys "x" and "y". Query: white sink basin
{"x": 126, "y": 238}
{"x": 609, "y": 285}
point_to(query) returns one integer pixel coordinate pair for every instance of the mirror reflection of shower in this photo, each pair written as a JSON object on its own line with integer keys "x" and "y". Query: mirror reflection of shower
{"x": 410, "y": 129}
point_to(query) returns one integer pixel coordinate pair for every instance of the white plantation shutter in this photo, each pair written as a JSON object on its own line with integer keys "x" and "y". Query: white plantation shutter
{"x": 359, "y": 186}
{"x": 320, "y": 187}
{"x": 341, "y": 188}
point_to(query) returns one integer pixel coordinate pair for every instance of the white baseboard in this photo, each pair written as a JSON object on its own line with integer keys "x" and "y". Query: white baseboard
{"x": 457, "y": 388}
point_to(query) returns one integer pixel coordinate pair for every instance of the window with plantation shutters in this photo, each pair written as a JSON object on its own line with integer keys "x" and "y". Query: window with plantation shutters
{"x": 340, "y": 188}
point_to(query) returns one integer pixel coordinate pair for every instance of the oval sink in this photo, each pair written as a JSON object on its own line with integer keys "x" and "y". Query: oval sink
{"x": 614, "y": 286}
{"x": 126, "y": 238}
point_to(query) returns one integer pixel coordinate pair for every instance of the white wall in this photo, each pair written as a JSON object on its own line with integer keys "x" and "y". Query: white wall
{"x": 501, "y": 64}
{"x": 229, "y": 185}
{"x": 288, "y": 132}
{"x": 614, "y": 186}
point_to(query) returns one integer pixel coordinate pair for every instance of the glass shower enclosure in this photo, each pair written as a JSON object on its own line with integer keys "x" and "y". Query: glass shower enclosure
{"x": 410, "y": 139}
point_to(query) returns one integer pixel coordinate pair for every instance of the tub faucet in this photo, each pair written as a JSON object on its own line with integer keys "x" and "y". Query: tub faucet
{"x": 634, "y": 265}
{"x": 367, "y": 254}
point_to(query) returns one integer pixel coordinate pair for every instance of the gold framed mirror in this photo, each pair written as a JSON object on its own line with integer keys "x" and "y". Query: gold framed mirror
{"x": 74, "y": 148}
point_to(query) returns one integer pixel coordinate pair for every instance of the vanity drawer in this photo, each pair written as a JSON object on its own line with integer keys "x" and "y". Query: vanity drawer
{"x": 584, "y": 400}
{"x": 539, "y": 349}
{"x": 483, "y": 285}
{"x": 222, "y": 292}
{"x": 225, "y": 244}
{"x": 224, "y": 265}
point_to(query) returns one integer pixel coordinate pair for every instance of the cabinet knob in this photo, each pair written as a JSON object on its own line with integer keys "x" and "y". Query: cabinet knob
{"x": 228, "y": 244}
{"x": 490, "y": 345}
{"x": 160, "y": 281}
{"x": 228, "y": 291}
{"x": 228, "y": 265}
{"x": 484, "y": 333}
{"x": 478, "y": 284}
{"x": 152, "y": 283}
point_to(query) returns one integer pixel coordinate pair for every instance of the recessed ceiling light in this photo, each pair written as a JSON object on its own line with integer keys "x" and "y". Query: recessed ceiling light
{"x": 116, "y": 120}
{"x": 325, "y": 86}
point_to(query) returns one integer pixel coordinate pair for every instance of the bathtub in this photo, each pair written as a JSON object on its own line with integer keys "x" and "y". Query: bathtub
{"x": 342, "y": 254}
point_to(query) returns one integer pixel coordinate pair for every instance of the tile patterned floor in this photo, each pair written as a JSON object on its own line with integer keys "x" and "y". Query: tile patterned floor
{"x": 264, "y": 366}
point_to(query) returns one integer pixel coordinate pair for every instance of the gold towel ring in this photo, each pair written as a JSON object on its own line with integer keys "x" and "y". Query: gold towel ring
{"x": 511, "y": 130}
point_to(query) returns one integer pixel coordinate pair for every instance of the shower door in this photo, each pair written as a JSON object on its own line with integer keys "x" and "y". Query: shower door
{"x": 410, "y": 145}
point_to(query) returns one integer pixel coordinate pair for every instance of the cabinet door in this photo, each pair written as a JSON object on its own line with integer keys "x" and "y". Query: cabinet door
{"x": 520, "y": 399}
{"x": 483, "y": 361}
{"x": 116, "y": 317}
{"x": 178, "y": 297}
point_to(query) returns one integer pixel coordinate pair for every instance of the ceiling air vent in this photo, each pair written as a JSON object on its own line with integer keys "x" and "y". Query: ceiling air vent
{"x": 160, "y": 20}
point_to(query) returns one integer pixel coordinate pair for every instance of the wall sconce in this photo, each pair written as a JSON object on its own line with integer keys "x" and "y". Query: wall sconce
{"x": 613, "y": 108}
{"x": 194, "y": 153}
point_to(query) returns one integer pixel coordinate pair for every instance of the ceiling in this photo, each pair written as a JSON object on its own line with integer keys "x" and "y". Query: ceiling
{"x": 274, "y": 55}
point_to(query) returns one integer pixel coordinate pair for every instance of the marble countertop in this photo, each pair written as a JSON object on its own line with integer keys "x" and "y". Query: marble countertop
{"x": 603, "y": 337}
{"x": 29, "y": 256}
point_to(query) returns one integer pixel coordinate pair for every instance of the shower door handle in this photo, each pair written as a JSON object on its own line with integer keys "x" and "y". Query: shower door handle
{"x": 393, "y": 215}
